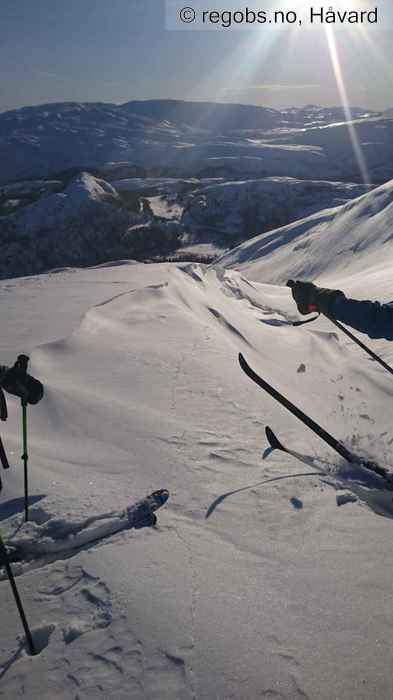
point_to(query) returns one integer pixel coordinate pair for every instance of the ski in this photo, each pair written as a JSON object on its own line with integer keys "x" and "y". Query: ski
{"x": 3, "y": 456}
{"x": 142, "y": 513}
{"x": 54, "y": 537}
{"x": 315, "y": 427}
{"x": 276, "y": 444}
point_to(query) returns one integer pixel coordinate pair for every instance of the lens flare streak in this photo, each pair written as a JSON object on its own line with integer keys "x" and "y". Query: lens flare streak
{"x": 338, "y": 73}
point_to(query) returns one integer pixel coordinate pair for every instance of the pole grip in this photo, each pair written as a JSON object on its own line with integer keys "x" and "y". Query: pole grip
{"x": 22, "y": 362}
{"x": 302, "y": 308}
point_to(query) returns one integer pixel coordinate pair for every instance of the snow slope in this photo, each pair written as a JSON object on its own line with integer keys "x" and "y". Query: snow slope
{"x": 281, "y": 593}
{"x": 353, "y": 239}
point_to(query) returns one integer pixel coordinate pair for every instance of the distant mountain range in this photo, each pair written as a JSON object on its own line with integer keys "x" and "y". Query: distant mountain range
{"x": 84, "y": 183}
{"x": 191, "y": 139}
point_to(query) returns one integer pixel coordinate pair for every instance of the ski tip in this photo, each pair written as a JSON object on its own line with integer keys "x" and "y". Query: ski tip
{"x": 161, "y": 496}
{"x": 214, "y": 505}
{"x": 273, "y": 440}
{"x": 242, "y": 360}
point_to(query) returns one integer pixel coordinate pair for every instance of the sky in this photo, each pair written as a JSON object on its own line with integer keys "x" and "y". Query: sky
{"x": 122, "y": 50}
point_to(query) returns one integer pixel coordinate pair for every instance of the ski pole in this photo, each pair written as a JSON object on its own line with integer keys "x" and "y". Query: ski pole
{"x": 25, "y": 458}
{"x": 361, "y": 345}
{"x": 21, "y": 365}
{"x": 350, "y": 335}
{"x": 5, "y": 561}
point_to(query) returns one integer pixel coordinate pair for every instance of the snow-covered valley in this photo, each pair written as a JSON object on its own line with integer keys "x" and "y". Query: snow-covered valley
{"x": 84, "y": 183}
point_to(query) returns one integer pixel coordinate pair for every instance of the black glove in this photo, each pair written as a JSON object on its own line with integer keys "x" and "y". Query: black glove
{"x": 16, "y": 381}
{"x": 309, "y": 297}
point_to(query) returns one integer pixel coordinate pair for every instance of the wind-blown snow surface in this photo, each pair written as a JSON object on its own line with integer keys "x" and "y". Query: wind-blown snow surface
{"x": 280, "y": 593}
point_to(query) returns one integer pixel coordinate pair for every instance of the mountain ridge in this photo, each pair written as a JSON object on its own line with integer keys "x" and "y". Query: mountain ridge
{"x": 180, "y": 138}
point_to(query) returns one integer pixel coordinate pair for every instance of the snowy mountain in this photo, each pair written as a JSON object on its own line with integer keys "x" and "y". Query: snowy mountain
{"x": 232, "y": 211}
{"x": 172, "y": 174}
{"x": 353, "y": 239}
{"x": 53, "y": 138}
{"x": 84, "y": 224}
{"x": 89, "y": 220}
{"x": 180, "y": 139}
{"x": 155, "y": 186}
{"x": 204, "y": 116}
{"x": 370, "y": 141}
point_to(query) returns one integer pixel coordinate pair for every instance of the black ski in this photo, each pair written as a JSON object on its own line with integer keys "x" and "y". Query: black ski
{"x": 3, "y": 456}
{"x": 142, "y": 513}
{"x": 315, "y": 427}
{"x": 139, "y": 515}
{"x": 315, "y": 462}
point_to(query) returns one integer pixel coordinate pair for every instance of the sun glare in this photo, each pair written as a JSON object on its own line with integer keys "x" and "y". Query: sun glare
{"x": 339, "y": 76}
{"x": 243, "y": 65}
{"x": 353, "y": 32}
